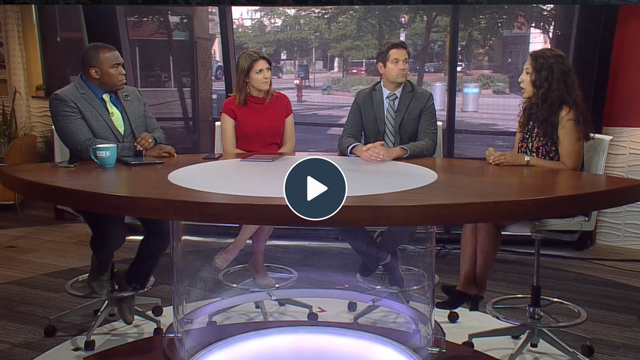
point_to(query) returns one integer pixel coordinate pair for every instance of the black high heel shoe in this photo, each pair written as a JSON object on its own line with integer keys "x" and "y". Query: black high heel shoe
{"x": 448, "y": 290}
{"x": 458, "y": 298}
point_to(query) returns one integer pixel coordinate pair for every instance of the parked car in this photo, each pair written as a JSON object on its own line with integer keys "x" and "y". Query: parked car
{"x": 218, "y": 70}
{"x": 438, "y": 67}
{"x": 363, "y": 68}
{"x": 433, "y": 68}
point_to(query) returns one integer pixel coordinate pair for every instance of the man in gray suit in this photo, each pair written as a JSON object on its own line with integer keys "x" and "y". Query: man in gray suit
{"x": 98, "y": 108}
{"x": 389, "y": 120}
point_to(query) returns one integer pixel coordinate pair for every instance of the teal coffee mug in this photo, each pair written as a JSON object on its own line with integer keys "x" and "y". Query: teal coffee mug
{"x": 105, "y": 154}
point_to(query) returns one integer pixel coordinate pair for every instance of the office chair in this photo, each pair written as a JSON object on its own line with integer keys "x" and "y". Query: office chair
{"x": 217, "y": 144}
{"x": 438, "y": 153}
{"x": 101, "y": 305}
{"x": 539, "y": 324}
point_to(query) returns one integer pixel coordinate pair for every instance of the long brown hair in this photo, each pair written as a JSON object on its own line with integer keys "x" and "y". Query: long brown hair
{"x": 555, "y": 86}
{"x": 246, "y": 60}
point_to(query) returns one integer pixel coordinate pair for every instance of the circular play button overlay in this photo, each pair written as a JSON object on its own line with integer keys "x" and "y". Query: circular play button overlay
{"x": 315, "y": 188}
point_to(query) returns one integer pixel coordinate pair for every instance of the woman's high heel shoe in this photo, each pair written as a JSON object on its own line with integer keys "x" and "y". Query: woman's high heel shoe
{"x": 224, "y": 257}
{"x": 458, "y": 298}
{"x": 263, "y": 281}
{"x": 448, "y": 290}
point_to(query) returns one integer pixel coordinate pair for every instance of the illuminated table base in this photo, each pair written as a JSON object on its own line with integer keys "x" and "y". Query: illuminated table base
{"x": 309, "y": 343}
{"x": 200, "y": 341}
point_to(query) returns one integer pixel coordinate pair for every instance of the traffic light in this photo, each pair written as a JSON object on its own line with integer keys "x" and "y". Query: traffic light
{"x": 403, "y": 27}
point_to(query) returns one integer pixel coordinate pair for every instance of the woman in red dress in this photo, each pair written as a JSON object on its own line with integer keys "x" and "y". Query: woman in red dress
{"x": 255, "y": 119}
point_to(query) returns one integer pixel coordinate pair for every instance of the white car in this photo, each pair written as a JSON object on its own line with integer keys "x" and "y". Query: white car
{"x": 218, "y": 70}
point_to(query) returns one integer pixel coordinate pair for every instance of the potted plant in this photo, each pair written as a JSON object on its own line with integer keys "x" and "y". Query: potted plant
{"x": 9, "y": 130}
{"x": 8, "y": 124}
{"x": 17, "y": 144}
{"x": 487, "y": 83}
{"x": 40, "y": 90}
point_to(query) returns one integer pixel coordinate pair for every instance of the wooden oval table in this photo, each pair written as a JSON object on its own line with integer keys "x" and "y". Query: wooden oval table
{"x": 466, "y": 191}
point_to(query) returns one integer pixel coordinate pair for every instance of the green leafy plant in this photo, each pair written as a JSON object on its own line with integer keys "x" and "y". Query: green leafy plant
{"x": 8, "y": 122}
{"x": 499, "y": 88}
{"x": 40, "y": 87}
{"x": 337, "y": 84}
{"x": 355, "y": 89}
{"x": 9, "y": 129}
{"x": 352, "y": 81}
{"x": 487, "y": 81}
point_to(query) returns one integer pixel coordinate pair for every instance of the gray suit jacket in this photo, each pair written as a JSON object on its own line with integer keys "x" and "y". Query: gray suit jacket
{"x": 82, "y": 120}
{"x": 416, "y": 127}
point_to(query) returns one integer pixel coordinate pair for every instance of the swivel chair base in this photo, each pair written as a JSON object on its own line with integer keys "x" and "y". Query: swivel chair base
{"x": 540, "y": 324}
{"x": 103, "y": 306}
{"x": 533, "y": 335}
{"x": 245, "y": 282}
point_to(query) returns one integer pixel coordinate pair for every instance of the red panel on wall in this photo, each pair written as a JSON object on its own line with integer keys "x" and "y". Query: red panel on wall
{"x": 623, "y": 95}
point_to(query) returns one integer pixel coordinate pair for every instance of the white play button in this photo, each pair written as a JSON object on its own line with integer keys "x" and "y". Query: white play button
{"x": 314, "y": 188}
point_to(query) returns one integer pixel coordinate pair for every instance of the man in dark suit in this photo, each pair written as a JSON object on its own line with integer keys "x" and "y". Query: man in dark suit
{"x": 98, "y": 108}
{"x": 396, "y": 119}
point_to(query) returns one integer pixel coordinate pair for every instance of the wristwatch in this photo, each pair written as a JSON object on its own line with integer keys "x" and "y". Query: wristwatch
{"x": 526, "y": 160}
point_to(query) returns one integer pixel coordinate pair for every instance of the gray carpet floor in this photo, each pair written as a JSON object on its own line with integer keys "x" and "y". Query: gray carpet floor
{"x": 38, "y": 255}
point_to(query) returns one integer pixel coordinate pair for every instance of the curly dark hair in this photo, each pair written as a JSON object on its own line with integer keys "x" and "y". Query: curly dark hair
{"x": 555, "y": 86}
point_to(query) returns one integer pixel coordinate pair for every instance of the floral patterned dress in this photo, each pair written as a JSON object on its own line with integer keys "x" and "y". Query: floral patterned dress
{"x": 533, "y": 144}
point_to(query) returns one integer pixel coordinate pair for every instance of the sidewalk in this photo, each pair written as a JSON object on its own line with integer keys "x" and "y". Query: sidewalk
{"x": 316, "y": 97}
{"x": 496, "y": 112}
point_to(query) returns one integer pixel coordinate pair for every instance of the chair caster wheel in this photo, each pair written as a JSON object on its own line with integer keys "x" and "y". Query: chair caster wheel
{"x": 453, "y": 317}
{"x": 157, "y": 311}
{"x": 587, "y": 350}
{"x": 112, "y": 314}
{"x": 212, "y": 323}
{"x": 312, "y": 316}
{"x": 533, "y": 346}
{"x": 516, "y": 337}
{"x": 352, "y": 306}
{"x": 256, "y": 306}
{"x": 158, "y": 331}
{"x": 281, "y": 303}
{"x": 469, "y": 344}
{"x": 50, "y": 331}
{"x": 89, "y": 345}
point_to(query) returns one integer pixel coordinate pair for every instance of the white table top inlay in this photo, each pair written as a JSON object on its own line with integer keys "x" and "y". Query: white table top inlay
{"x": 235, "y": 177}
